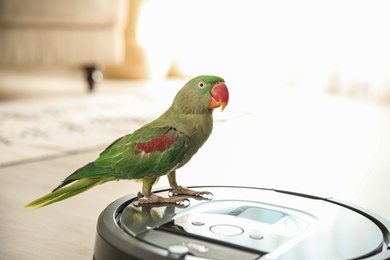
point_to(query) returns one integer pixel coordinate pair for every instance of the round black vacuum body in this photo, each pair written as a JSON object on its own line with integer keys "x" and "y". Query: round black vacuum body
{"x": 241, "y": 223}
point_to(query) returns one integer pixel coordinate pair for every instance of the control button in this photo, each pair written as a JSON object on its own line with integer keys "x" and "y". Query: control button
{"x": 256, "y": 236}
{"x": 226, "y": 230}
{"x": 197, "y": 223}
{"x": 178, "y": 250}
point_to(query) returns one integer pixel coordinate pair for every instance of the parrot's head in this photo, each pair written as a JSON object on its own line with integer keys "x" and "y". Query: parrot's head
{"x": 203, "y": 94}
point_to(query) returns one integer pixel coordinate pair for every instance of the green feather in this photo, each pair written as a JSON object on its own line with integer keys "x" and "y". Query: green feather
{"x": 66, "y": 192}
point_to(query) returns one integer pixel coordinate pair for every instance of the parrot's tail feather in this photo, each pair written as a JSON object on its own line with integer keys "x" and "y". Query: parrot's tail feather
{"x": 66, "y": 192}
{"x": 64, "y": 183}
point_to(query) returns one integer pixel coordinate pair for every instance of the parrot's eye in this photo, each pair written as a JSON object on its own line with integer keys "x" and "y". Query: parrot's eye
{"x": 201, "y": 84}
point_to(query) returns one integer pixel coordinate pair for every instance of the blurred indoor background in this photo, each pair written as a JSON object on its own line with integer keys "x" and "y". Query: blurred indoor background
{"x": 339, "y": 47}
{"x": 336, "y": 46}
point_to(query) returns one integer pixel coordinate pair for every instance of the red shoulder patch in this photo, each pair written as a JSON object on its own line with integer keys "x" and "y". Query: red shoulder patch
{"x": 160, "y": 144}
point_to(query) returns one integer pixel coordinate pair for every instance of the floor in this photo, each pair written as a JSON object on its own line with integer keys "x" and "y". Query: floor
{"x": 288, "y": 139}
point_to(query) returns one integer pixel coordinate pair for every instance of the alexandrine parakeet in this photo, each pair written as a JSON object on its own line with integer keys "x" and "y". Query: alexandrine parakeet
{"x": 156, "y": 149}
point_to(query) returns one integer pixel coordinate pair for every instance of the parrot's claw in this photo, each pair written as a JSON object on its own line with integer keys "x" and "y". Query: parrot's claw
{"x": 159, "y": 201}
{"x": 179, "y": 190}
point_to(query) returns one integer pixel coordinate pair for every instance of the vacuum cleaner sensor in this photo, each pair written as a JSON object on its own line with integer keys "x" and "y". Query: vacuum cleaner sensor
{"x": 241, "y": 223}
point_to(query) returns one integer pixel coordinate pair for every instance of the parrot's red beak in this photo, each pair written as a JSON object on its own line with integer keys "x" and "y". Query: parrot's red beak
{"x": 219, "y": 96}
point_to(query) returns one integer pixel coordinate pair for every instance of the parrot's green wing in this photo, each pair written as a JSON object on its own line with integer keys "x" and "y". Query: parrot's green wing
{"x": 148, "y": 152}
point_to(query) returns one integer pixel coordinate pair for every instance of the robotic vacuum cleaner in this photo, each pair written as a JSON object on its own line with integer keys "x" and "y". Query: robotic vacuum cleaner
{"x": 241, "y": 223}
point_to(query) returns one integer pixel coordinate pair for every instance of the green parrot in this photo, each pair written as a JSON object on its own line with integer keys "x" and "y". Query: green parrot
{"x": 156, "y": 149}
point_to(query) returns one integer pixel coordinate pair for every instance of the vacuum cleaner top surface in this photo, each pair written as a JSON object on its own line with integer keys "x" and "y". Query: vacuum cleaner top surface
{"x": 241, "y": 223}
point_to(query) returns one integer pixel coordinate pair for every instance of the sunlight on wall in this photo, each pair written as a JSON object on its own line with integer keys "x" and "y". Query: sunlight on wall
{"x": 341, "y": 46}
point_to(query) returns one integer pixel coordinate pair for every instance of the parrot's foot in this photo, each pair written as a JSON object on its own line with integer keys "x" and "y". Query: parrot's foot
{"x": 154, "y": 200}
{"x": 179, "y": 190}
